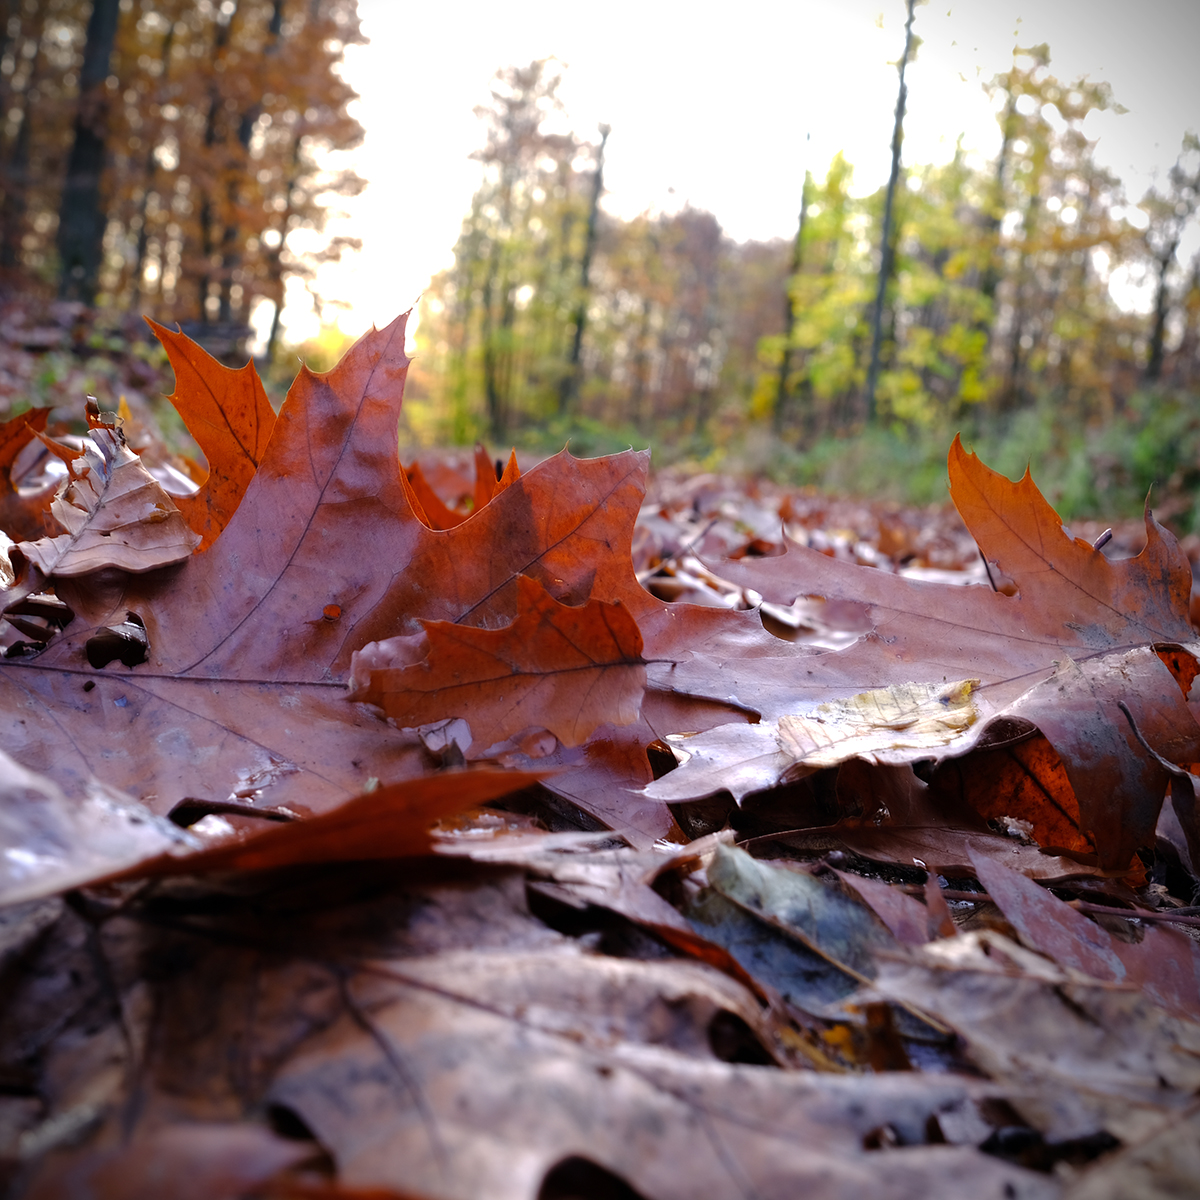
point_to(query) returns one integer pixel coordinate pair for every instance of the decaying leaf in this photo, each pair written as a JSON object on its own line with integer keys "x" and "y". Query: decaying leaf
{"x": 872, "y": 725}
{"x": 557, "y": 667}
{"x": 1164, "y": 963}
{"x": 115, "y": 513}
{"x": 1073, "y": 606}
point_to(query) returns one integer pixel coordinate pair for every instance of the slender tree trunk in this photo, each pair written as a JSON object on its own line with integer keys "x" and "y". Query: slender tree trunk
{"x": 1162, "y": 302}
{"x": 82, "y": 219}
{"x": 231, "y": 247}
{"x": 1014, "y": 393}
{"x": 497, "y": 290}
{"x": 989, "y": 281}
{"x": 16, "y": 174}
{"x": 207, "y": 210}
{"x": 149, "y": 172}
{"x": 275, "y": 262}
{"x": 569, "y": 387}
{"x": 888, "y": 254}
{"x": 783, "y": 394}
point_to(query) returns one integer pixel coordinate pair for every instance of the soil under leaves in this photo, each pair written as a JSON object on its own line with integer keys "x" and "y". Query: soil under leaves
{"x": 385, "y": 831}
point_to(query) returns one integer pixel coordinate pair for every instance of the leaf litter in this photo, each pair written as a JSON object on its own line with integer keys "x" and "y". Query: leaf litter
{"x": 373, "y": 829}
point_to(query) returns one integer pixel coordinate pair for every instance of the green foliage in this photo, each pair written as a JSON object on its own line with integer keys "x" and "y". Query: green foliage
{"x": 999, "y": 320}
{"x": 1150, "y": 449}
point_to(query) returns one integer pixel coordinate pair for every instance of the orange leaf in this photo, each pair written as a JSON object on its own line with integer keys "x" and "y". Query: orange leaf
{"x": 21, "y": 517}
{"x": 229, "y": 415}
{"x": 242, "y": 687}
{"x": 427, "y": 504}
{"x": 16, "y": 433}
{"x": 392, "y": 821}
{"x": 485, "y": 477}
{"x": 1060, "y": 579}
{"x": 1081, "y": 636}
{"x": 556, "y": 667}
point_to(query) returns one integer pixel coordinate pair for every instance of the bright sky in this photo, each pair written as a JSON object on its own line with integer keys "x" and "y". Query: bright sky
{"x": 711, "y": 104}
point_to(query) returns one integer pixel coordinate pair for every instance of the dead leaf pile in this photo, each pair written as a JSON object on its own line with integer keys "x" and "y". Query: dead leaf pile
{"x": 381, "y": 830}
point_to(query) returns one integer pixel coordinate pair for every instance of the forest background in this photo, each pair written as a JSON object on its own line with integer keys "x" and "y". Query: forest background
{"x": 174, "y": 159}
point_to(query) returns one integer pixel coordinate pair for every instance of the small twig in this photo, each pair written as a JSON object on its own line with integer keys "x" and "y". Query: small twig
{"x": 1135, "y": 914}
{"x": 1102, "y": 540}
{"x": 686, "y": 546}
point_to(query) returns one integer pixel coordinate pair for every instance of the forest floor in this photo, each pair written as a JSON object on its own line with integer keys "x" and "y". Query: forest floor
{"x": 680, "y": 835}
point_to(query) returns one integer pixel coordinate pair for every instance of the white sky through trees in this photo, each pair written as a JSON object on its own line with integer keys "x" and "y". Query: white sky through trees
{"x": 710, "y": 104}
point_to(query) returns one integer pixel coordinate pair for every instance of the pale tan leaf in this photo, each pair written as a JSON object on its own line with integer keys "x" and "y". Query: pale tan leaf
{"x": 115, "y": 513}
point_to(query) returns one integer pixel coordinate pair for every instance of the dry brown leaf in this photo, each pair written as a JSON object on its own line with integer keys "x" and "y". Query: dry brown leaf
{"x": 115, "y": 513}
{"x": 557, "y": 667}
{"x": 1081, "y": 637}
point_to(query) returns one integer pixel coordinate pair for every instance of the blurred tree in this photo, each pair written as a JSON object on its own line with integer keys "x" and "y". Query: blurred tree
{"x": 569, "y": 384}
{"x": 81, "y": 217}
{"x": 1057, "y": 211}
{"x": 887, "y": 249}
{"x": 508, "y": 319}
{"x": 39, "y": 62}
{"x": 1169, "y": 215}
{"x": 196, "y": 134}
{"x": 783, "y": 390}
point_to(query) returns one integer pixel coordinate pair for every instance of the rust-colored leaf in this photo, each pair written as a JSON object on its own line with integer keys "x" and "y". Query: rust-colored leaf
{"x": 428, "y": 505}
{"x": 392, "y": 821}
{"x": 1080, "y": 635}
{"x": 229, "y": 415}
{"x": 1025, "y": 781}
{"x": 16, "y": 433}
{"x": 21, "y": 517}
{"x": 249, "y": 643}
{"x": 1164, "y": 963}
{"x": 557, "y": 667}
{"x": 1064, "y": 581}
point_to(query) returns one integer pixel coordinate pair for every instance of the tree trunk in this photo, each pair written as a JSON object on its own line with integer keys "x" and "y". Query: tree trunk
{"x": 149, "y": 172}
{"x": 81, "y": 218}
{"x": 16, "y": 176}
{"x": 782, "y": 395}
{"x": 207, "y": 212}
{"x": 1162, "y": 302}
{"x": 888, "y": 255}
{"x": 569, "y": 385}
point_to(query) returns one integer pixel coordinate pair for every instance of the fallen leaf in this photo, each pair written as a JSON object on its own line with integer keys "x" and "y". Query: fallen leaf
{"x": 557, "y": 667}
{"x": 49, "y": 843}
{"x": 22, "y": 517}
{"x": 1077, "y": 1058}
{"x": 392, "y": 821}
{"x": 872, "y": 725}
{"x": 115, "y": 513}
{"x": 187, "y": 1161}
{"x": 229, "y": 415}
{"x": 1159, "y": 1167}
{"x": 249, "y": 642}
{"x": 821, "y": 914}
{"x": 1165, "y": 963}
{"x": 1079, "y": 636}
{"x": 428, "y": 505}
{"x": 481, "y": 1075}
